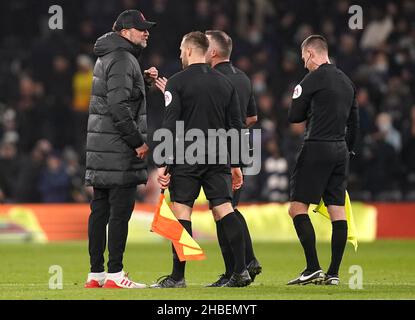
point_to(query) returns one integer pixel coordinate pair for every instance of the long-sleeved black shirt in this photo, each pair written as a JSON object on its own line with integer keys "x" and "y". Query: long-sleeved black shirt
{"x": 243, "y": 87}
{"x": 326, "y": 98}
{"x": 203, "y": 99}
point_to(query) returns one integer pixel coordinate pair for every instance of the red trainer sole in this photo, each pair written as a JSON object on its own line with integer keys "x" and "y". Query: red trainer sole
{"x": 93, "y": 284}
{"x": 109, "y": 284}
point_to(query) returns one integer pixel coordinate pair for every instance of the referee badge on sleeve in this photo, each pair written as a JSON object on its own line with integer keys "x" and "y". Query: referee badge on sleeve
{"x": 167, "y": 98}
{"x": 297, "y": 91}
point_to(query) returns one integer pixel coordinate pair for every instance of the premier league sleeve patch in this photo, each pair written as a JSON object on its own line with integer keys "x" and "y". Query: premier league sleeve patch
{"x": 297, "y": 91}
{"x": 167, "y": 98}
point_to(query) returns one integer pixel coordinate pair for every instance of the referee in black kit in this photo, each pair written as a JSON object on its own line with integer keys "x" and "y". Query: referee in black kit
{"x": 204, "y": 99}
{"x": 326, "y": 99}
{"x": 218, "y": 56}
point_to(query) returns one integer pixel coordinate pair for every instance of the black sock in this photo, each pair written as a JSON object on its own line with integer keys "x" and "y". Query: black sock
{"x": 233, "y": 231}
{"x": 225, "y": 248}
{"x": 338, "y": 243}
{"x": 305, "y": 232}
{"x": 179, "y": 266}
{"x": 249, "y": 250}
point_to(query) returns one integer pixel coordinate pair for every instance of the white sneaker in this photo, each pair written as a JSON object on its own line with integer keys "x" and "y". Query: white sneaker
{"x": 95, "y": 280}
{"x": 120, "y": 280}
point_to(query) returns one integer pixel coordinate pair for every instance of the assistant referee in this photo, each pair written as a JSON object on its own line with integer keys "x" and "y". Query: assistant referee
{"x": 326, "y": 100}
{"x": 218, "y": 56}
{"x": 202, "y": 98}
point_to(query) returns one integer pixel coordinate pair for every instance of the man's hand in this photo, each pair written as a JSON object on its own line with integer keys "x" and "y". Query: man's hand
{"x": 250, "y": 121}
{"x": 237, "y": 178}
{"x": 151, "y": 75}
{"x": 162, "y": 178}
{"x": 142, "y": 151}
{"x": 161, "y": 84}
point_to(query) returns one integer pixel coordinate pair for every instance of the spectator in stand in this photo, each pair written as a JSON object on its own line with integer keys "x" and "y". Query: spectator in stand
{"x": 76, "y": 174}
{"x": 274, "y": 186}
{"x": 380, "y": 161}
{"x": 28, "y": 178}
{"x": 9, "y": 169}
{"x": 366, "y": 112}
{"x": 59, "y": 83}
{"x": 36, "y": 78}
{"x": 54, "y": 183}
{"x": 8, "y": 127}
{"x": 408, "y": 155}
{"x": 30, "y": 113}
{"x": 82, "y": 84}
{"x": 59, "y": 100}
{"x": 348, "y": 58}
{"x": 376, "y": 31}
{"x": 387, "y": 132}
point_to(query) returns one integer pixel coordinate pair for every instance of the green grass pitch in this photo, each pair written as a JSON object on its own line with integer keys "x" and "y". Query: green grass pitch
{"x": 388, "y": 272}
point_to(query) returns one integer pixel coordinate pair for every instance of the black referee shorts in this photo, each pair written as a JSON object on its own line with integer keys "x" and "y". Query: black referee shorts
{"x": 236, "y": 197}
{"x": 320, "y": 172}
{"x": 186, "y": 180}
{"x": 237, "y": 194}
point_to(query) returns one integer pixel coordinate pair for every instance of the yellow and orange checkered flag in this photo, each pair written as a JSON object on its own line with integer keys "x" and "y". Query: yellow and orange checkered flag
{"x": 166, "y": 224}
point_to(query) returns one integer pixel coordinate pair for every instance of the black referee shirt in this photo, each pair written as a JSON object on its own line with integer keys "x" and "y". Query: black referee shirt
{"x": 326, "y": 98}
{"x": 243, "y": 87}
{"x": 203, "y": 99}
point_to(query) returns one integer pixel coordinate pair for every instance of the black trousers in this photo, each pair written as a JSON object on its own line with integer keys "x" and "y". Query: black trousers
{"x": 112, "y": 207}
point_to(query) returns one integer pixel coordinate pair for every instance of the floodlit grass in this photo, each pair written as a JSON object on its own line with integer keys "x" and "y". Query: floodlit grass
{"x": 387, "y": 272}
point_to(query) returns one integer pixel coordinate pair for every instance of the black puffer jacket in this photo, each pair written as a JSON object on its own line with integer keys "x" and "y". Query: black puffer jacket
{"x": 117, "y": 122}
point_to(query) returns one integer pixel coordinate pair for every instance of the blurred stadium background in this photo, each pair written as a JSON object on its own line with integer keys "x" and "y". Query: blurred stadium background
{"x": 46, "y": 74}
{"x": 45, "y": 81}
